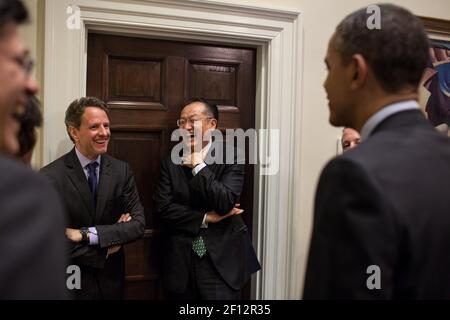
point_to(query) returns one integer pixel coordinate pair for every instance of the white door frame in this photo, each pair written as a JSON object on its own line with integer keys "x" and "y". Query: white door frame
{"x": 277, "y": 35}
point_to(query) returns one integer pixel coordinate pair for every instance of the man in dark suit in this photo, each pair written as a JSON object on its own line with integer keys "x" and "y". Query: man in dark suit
{"x": 381, "y": 223}
{"x": 32, "y": 255}
{"x": 101, "y": 200}
{"x": 208, "y": 252}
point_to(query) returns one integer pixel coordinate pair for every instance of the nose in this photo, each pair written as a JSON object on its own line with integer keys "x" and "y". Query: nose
{"x": 31, "y": 85}
{"x": 103, "y": 131}
{"x": 188, "y": 125}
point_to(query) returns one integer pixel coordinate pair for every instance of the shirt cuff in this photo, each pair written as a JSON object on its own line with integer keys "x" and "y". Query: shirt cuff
{"x": 198, "y": 168}
{"x": 93, "y": 237}
{"x": 204, "y": 223}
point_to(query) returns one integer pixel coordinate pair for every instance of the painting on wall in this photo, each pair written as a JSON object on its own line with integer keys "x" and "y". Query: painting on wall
{"x": 435, "y": 84}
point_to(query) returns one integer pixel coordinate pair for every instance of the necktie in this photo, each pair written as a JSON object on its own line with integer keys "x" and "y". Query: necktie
{"x": 93, "y": 179}
{"x": 198, "y": 245}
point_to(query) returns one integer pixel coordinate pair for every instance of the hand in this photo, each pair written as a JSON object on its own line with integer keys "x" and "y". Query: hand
{"x": 125, "y": 217}
{"x": 214, "y": 217}
{"x": 192, "y": 160}
{"x": 73, "y": 235}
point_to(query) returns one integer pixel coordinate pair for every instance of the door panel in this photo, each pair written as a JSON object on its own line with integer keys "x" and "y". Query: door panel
{"x": 144, "y": 82}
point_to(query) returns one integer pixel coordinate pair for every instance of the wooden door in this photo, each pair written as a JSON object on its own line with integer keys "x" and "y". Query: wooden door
{"x": 144, "y": 81}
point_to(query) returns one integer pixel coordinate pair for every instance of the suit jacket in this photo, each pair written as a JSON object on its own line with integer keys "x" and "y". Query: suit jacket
{"x": 181, "y": 201}
{"x": 117, "y": 194}
{"x": 385, "y": 203}
{"x": 32, "y": 263}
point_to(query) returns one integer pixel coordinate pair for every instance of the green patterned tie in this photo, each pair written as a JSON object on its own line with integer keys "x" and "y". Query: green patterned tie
{"x": 198, "y": 245}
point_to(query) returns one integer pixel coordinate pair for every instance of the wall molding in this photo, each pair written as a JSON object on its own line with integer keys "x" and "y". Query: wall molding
{"x": 277, "y": 35}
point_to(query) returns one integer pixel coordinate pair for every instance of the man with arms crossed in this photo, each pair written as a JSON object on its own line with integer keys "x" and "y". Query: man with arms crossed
{"x": 208, "y": 253}
{"x": 101, "y": 200}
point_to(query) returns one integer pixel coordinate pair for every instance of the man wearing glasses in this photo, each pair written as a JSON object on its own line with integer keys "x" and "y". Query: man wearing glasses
{"x": 208, "y": 252}
{"x": 32, "y": 249}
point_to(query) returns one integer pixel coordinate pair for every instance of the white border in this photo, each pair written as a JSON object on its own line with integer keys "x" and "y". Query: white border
{"x": 278, "y": 36}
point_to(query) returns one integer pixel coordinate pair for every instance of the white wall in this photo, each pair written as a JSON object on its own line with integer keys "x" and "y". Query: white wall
{"x": 318, "y": 138}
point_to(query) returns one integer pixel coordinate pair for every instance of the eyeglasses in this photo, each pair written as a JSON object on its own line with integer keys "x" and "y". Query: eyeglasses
{"x": 26, "y": 62}
{"x": 183, "y": 122}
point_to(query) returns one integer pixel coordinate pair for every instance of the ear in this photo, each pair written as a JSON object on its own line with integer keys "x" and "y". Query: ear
{"x": 73, "y": 133}
{"x": 358, "y": 71}
{"x": 214, "y": 123}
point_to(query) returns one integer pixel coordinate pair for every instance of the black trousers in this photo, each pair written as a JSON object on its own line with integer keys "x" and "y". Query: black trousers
{"x": 103, "y": 284}
{"x": 205, "y": 282}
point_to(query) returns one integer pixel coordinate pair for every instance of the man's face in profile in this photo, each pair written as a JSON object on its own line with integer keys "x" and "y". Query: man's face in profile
{"x": 350, "y": 139}
{"x": 15, "y": 87}
{"x": 337, "y": 86}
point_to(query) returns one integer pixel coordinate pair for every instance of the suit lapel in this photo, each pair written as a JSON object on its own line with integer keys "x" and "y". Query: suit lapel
{"x": 78, "y": 178}
{"x": 103, "y": 186}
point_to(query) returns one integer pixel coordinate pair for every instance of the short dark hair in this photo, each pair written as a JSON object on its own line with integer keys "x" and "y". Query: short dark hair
{"x": 29, "y": 121}
{"x": 12, "y": 11}
{"x": 211, "y": 107}
{"x": 76, "y": 109}
{"x": 397, "y": 53}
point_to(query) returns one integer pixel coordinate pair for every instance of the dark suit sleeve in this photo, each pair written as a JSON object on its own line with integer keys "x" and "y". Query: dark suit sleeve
{"x": 121, "y": 233}
{"x": 174, "y": 217}
{"x": 221, "y": 194}
{"x": 353, "y": 229}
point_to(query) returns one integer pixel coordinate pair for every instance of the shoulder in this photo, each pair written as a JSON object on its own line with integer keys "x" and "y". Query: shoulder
{"x": 22, "y": 183}
{"x": 343, "y": 165}
{"x": 166, "y": 162}
{"x": 56, "y": 166}
{"x": 346, "y": 174}
{"x": 119, "y": 168}
{"x": 226, "y": 153}
{"x": 116, "y": 163}
{"x": 16, "y": 174}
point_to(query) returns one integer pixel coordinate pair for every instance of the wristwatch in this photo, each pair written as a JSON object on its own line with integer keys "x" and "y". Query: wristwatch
{"x": 84, "y": 235}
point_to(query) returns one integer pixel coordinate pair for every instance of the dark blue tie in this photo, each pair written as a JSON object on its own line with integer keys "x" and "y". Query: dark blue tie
{"x": 93, "y": 179}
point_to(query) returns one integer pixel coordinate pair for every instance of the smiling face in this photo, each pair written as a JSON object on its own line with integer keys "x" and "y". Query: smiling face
{"x": 92, "y": 138}
{"x": 15, "y": 88}
{"x": 198, "y": 123}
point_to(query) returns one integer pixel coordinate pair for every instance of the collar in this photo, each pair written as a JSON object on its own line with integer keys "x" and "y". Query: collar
{"x": 384, "y": 113}
{"x": 85, "y": 161}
